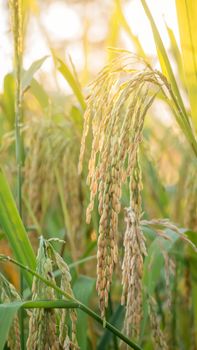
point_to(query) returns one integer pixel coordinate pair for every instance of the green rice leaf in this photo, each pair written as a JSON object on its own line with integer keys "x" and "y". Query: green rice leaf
{"x": 7, "y": 314}
{"x": 82, "y": 289}
{"x": 70, "y": 78}
{"x": 8, "y": 98}
{"x": 40, "y": 94}
{"x": 117, "y": 320}
{"x": 165, "y": 62}
{"x": 122, "y": 19}
{"x": 176, "y": 52}
{"x": 14, "y": 229}
{"x": 187, "y": 20}
{"x": 27, "y": 76}
{"x": 177, "y": 105}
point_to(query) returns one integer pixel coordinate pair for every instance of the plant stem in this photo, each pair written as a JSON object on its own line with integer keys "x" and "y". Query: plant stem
{"x": 174, "y": 306}
{"x": 81, "y": 306}
{"x": 16, "y": 10}
{"x": 82, "y": 261}
{"x": 49, "y": 304}
{"x": 36, "y": 226}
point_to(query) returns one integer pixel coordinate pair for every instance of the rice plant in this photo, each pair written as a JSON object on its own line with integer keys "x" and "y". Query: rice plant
{"x": 98, "y": 208}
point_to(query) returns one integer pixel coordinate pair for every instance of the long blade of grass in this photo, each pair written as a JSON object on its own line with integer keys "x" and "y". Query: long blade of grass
{"x": 28, "y": 75}
{"x": 163, "y": 57}
{"x": 167, "y": 70}
{"x": 13, "y": 227}
{"x": 187, "y": 20}
{"x": 7, "y": 313}
{"x": 70, "y": 78}
{"x": 122, "y": 19}
{"x": 176, "y": 52}
{"x": 83, "y": 288}
{"x": 117, "y": 319}
{"x": 40, "y": 94}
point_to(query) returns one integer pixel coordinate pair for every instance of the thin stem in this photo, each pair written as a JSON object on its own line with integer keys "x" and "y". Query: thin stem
{"x": 81, "y": 306}
{"x": 82, "y": 261}
{"x": 36, "y": 226}
{"x": 16, "y": 12}
{"x": 49, "y": 304}
{"x": 174, "y": 306}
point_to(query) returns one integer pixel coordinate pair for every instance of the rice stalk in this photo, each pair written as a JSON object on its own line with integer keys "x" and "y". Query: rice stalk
{"x": 116, "y": 108}
{"x": 48, "y": 328}
{"x": 17, "y": 30}
{"x": 65, "y": 285}
{"x": 9, "y": 294}
{"x": 157, "y": 334}
{"x": 17, "y": 24}
{"x": 160, "y": 225}
{"x": 42, "y": 323}
{"x": 49, "y": 169}
{"x": 132, "y": 266}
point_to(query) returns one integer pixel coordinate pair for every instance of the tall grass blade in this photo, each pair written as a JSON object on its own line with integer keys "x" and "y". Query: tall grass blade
{"x": 117, "y": 319}
{"x": 27, "y": 76}
{"x": 83, "y": 289}
{"x": 40, "y": 94}
{"x": 122, "y": 20}
{"x": 174, "y": 48}
{"x": 13, "y": 227}
{"x": 182, "y": 116}
{"x": 7, "y": 314}
{"x": 187, "y": 20}
{"x": 70, "y": 78}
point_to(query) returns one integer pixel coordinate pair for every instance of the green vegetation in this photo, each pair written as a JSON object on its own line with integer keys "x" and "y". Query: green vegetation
{"x": 98, "y": 194}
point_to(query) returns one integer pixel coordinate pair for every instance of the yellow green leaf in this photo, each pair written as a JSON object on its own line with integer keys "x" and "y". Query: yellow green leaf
{"x": 187, "y": 20}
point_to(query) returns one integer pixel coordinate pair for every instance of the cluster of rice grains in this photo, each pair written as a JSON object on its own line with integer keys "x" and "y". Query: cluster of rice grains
{"x": 132, "y": 267}
{"x": 8, "y": 294}
{"x": 49, "y": 145}
{"x": 116, "y": 108}
{"x": 157, "y": 334}
{"x": 48, "y": 328}
{"x": 17, "y": 23}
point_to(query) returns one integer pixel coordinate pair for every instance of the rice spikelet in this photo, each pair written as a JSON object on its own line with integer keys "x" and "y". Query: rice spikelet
{"x": 132, "y": 266}
{"x": 49, "y": 145}
{"x": 48, "y": 329}
{"x": 66, "y": 286}
{"x": 116, "y": 108}
{"x": 157, "y": 334}
{"x": 16, "y": 22}
{"x": 42, "y": 323}
{"x": 9, "y": 294}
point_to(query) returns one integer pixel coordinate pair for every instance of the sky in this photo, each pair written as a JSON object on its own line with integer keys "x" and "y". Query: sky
{"x": 63, "y": 21}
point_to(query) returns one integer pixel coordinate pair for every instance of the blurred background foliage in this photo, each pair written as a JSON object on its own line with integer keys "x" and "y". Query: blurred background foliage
{"x": 58, "y": 65}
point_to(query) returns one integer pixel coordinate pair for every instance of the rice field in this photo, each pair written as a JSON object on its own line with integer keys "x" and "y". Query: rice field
{"x": 98, "y": 185}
